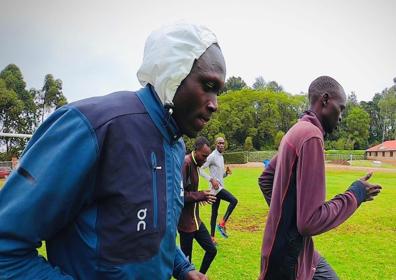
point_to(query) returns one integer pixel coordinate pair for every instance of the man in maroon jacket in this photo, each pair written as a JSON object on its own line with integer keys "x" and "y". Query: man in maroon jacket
{"x": 190, "y": 225}
{"x": 294, "y": 187}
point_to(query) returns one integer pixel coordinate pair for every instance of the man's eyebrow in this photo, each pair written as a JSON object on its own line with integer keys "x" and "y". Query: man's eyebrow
{"x": 209, "y": 75}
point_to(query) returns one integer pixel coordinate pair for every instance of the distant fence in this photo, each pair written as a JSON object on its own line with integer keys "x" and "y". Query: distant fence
{"x": 6, "y": 164}
{"x": 10, "y": 164}
{"x": 244, "y": 157}
{"x": 259, "y": 156}
{"x": 344, "y": 157}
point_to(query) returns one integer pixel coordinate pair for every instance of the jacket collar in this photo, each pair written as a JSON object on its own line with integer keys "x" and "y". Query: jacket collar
{"x": 164, "y": 121}
{"x": 310, "y": 116}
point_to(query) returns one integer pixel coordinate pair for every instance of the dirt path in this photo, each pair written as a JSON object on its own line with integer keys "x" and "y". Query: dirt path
{"x": 328, "y": 167}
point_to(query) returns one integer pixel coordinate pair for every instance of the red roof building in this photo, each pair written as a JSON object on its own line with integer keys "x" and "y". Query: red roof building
{"x": 383, "y": 151}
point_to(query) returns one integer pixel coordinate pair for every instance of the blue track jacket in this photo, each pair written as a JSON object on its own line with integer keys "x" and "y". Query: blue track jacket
{"x": 100, "y": 182}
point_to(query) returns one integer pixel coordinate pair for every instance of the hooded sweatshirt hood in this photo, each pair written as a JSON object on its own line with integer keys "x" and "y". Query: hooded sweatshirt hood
{"x": 169, "y": 55}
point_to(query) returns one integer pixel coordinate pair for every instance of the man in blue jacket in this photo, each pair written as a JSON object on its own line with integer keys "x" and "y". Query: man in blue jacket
{"x": 100, "y": 181}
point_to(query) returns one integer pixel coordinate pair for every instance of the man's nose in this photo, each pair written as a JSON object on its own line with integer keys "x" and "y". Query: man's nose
{"x": 212, "y": 105}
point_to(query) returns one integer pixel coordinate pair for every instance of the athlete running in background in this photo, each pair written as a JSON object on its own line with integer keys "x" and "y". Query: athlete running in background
{"x": 215, "y": 163}
{"x": 190, "y": 225}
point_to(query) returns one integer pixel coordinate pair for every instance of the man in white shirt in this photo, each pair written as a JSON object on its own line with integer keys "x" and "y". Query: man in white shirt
{"x": 215, "y": 162}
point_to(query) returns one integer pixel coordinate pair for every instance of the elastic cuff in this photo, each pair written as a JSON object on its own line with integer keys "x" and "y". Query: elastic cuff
{"x": 184, "y": 273}
{"x": 359, "y": 190}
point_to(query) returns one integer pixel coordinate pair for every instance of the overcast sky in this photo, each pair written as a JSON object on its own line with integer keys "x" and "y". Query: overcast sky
{"x": 95, "y": 47}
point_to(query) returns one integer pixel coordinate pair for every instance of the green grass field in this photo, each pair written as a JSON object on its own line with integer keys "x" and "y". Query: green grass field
{"x": 362, "y": 248}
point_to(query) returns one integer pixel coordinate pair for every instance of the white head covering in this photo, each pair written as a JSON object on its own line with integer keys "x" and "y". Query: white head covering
{"x": 169, "y": 54}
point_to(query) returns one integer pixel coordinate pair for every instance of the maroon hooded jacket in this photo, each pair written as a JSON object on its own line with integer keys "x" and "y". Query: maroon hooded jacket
{"x": 294, "y": 187}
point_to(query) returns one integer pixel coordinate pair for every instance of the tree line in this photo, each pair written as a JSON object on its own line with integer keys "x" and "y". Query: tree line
{"x": 250, "y": 118}
{"x": 22, "y": 110}
{"x": 257, "y": 117}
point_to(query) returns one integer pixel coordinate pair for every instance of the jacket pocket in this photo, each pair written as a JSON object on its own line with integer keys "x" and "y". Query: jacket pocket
{"x": 132, "y": 221}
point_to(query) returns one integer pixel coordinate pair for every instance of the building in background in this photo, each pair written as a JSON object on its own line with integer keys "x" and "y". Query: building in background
{"x": 385, "y": 151}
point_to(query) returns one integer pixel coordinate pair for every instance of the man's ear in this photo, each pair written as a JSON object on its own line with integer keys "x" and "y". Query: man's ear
{"x": 325, "y": 98}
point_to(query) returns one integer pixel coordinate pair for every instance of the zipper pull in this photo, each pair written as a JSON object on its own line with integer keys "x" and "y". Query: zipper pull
{"x": 154, "y": 162}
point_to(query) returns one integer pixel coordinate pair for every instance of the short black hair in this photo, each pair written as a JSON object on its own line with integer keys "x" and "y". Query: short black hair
{"x": 323, "y": 84}
{"x": 200, "y": 142}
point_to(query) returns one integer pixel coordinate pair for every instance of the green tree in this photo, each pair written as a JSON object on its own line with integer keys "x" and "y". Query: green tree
{"x": 289, "y": 110}
{"x": 51, "y": 96}
{"x": 340, "y": 144}
{"x": 357, "y": 123}
{"x": 13, "y": 78}
{"x": 10, "y": 110}
{"x": 259, "y": 83}
{"x": 273, "y": 85}
{"x": 211, "y": 129}
{"x": 278, "y": 138}
{"x": 387, "y": 107}
{"x": 234, "y": 83}
{"x": 22, "y": 117}
{"x": 258, "y": 114}
{"x": 352, "y": 99}
{"x": 375, "y": 129}
{"x": 22, "y": 110}
{"x": 189, "y": 142}
{"x": 248, "y": 145}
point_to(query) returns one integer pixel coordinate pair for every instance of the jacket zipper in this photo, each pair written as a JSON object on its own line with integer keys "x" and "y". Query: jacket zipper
{"x": 154, "y": 186}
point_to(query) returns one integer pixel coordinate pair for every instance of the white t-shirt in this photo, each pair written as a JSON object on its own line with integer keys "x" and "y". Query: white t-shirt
{"x": 215, "y": 162}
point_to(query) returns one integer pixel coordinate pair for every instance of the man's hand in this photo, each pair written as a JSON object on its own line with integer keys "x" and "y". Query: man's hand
{"x": 228, "y": 170}
{"x": 215, "y": 183}
{"x": 371, "y": 190}
{"x": 209, "y": 197}
{"x": 195, "y": 275}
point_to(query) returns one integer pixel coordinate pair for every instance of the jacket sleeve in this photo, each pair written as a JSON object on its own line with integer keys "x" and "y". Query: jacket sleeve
{"x": 266, "y": 180}
{"x": 181, "y": 265}
{"x": 194, "y": 196}
{"x": 45, "y": 193}
{"x": 314, "y": 214}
